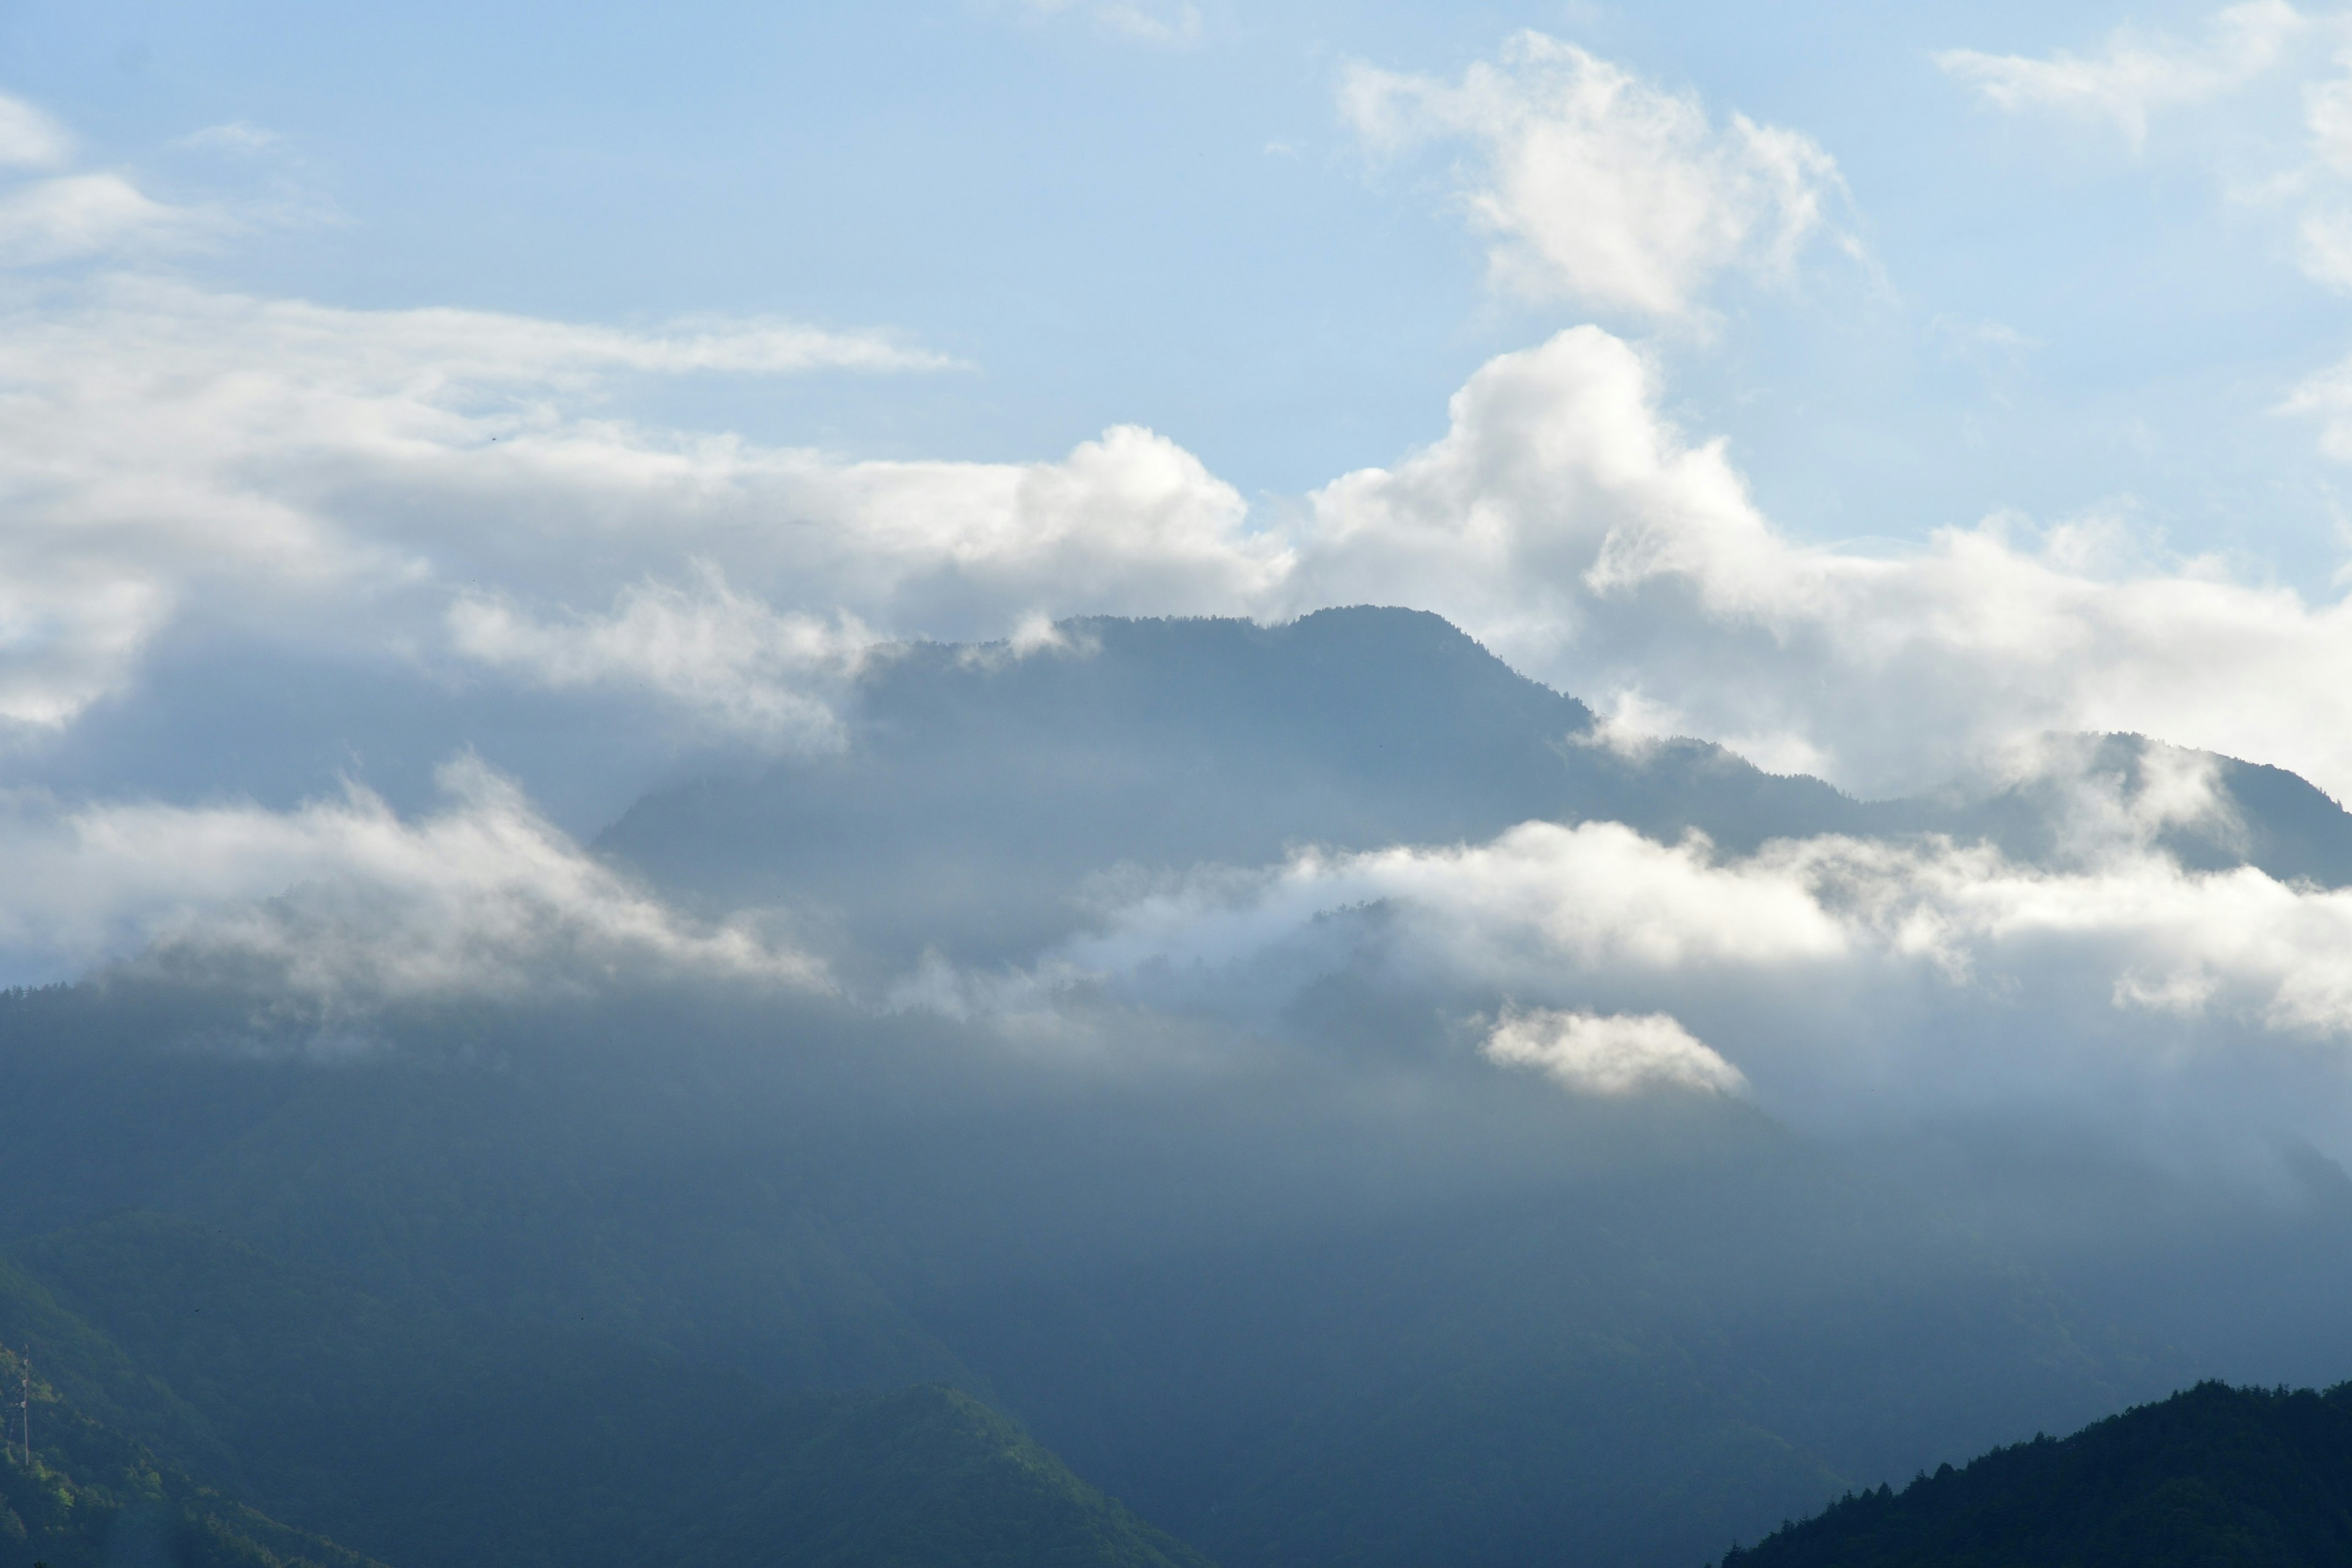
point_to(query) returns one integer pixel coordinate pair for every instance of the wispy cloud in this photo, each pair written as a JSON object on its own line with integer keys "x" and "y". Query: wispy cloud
{"x": 1600, "y": 187}
{"x": 239, "y": 137}
{"x": 1162, "y": 24}
{"x": 2135, "y": 75}
{"x": 701, "y": 646}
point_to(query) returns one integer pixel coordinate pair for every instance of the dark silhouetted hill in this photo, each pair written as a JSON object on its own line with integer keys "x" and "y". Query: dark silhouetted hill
{"x": 2211, "y": 1478}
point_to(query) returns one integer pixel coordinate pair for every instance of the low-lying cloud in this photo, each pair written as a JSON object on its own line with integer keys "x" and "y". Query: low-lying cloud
{"x": 1841, "y": 978}
{"x": 1612, "y": 1054}
{"x": 342, "y": 901}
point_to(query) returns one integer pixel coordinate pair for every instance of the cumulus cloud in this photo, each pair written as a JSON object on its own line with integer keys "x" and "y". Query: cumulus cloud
{"x": 1613, "y": 1053}
{"x": 2135, "y": 75}
{"x": 1567, "y": 522}
{"x": 455, "y": 488}
{"x": 344, "y": 900}
{"x": 448, "y": 483}
{"x": 1599, "y": 186}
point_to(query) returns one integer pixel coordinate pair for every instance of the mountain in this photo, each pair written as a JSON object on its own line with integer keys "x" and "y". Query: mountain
{"x": 2214, "y": 1476}
{"x": 977, "y": 789}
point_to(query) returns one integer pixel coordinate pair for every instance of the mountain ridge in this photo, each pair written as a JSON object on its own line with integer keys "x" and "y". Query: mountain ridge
{"x": 2213, "y": 1475}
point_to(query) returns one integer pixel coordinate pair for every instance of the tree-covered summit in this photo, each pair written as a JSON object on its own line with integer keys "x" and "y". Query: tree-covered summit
{"x": 2214, "y": 1476}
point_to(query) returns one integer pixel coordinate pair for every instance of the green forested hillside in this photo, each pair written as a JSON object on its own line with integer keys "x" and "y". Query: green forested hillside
{"x": 434, "y": 1437}
{"x": 92, "y": 1496}
{"x": 2211, "y": 1478}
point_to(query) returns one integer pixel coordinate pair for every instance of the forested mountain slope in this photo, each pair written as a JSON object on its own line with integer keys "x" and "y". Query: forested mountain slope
{"x": 588, "y": 1284}
{"x": 2209, "y": 1478}
{"x": 448, "y": 1418}
{"x": 87, "y": 1496}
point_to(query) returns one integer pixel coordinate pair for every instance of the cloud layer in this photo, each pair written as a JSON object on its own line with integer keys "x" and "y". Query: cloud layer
{"x": 1844, "y": 978}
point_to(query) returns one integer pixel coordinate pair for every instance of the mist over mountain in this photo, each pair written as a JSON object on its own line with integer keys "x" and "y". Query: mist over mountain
{"x": 1011, "y": 774}
{"x": 1149, "y": 783}
{"x": 979, "y": 787}
{"x": 1319, "y": 1084}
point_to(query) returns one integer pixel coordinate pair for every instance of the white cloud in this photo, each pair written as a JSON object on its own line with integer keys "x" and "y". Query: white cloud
{"x": 1613, "y": 1053}
{"x": 344, "y": 475}
{"x": 239, "y": 137}
{"x": 446, "y": 483}
{"x": 30, "y": 139}
{"x": 74, "y": 217}
{"x": 2327, "y": 397}
{"x": 707, "y": 650}
{"x": 2135, "y": 75}
{"x": 2229, "y": 91}
{"x": 1599, "y": 186}
{"x": 1154, "y": 22}
{"x": 443, "y": 485}
{"x": 1567, "y": 523}
{"x": 343, "y": 902}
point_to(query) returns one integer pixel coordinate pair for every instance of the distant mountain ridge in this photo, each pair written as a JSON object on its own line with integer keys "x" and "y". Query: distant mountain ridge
{"x": 984, "y": 785}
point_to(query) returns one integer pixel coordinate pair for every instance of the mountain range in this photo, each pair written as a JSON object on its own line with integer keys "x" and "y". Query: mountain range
{"x": 638, "y": 1267}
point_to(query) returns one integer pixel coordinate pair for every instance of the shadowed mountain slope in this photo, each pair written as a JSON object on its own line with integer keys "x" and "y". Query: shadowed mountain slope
{"x": 435, "y": 1439}
{"x": 978, "y": 788}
